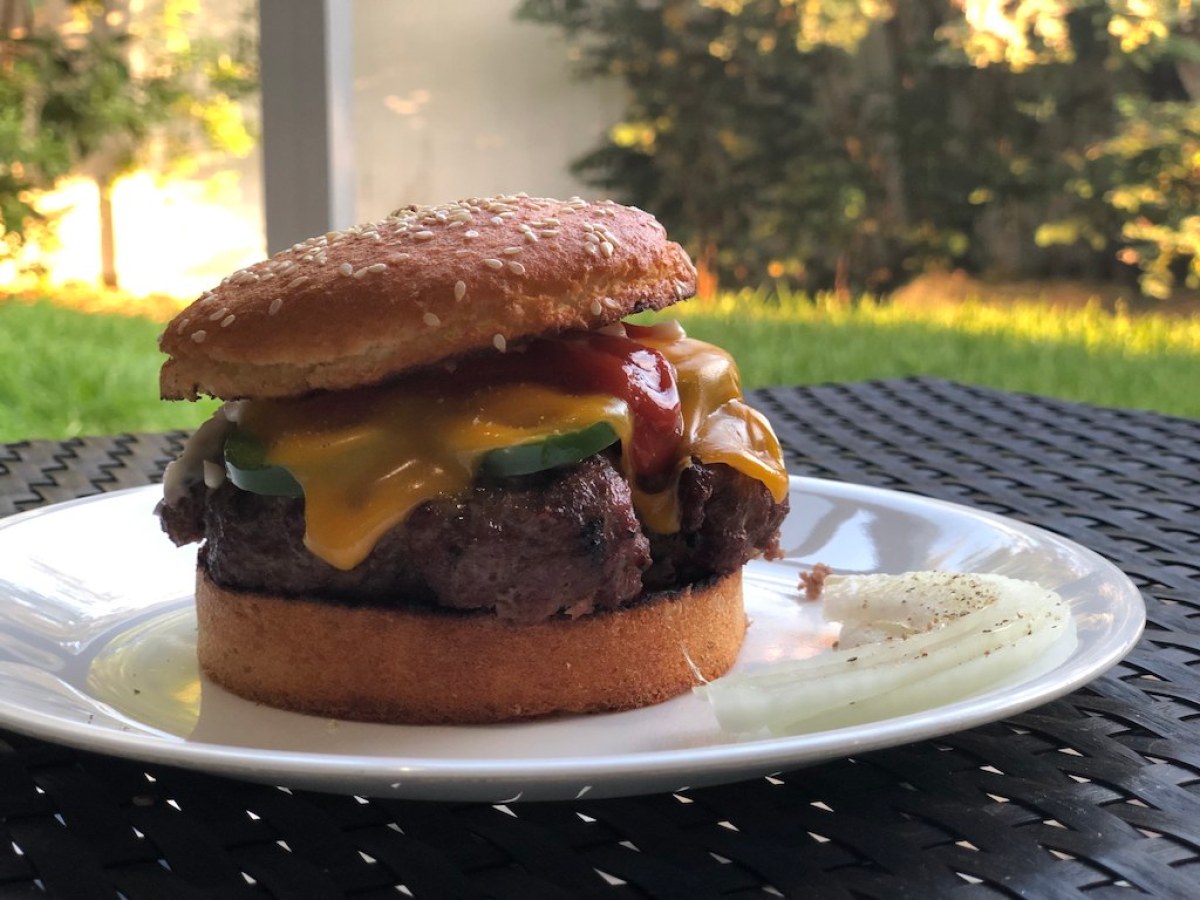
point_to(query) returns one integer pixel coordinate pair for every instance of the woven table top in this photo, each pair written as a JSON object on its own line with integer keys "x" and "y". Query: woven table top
{"x": 1095, "y": 794}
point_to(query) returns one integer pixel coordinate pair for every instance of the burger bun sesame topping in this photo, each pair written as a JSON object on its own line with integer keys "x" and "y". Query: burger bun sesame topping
{"x": 422, "y": 287}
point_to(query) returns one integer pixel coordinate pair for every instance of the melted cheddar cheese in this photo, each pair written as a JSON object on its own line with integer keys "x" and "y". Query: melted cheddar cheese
{"x": 367, "y": 458}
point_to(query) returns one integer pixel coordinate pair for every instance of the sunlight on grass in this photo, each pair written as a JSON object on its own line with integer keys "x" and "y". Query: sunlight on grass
{"x": 89, "y": 299}
{"x": 88, "y": 370}
{"x": 1145, "y": 362}
{"x": 1091, "y": 327}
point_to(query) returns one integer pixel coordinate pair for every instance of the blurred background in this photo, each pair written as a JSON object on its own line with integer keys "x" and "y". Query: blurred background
{"x": 1002, "y": 192}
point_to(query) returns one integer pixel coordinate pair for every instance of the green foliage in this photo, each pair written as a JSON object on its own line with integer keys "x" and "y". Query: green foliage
{"x": 95, "y": 90}
{"x": 86, "y": 94}
{"x": 856, "y": 142}
{"x": 1156, "y": 155}
{"x": 28, "y": 157}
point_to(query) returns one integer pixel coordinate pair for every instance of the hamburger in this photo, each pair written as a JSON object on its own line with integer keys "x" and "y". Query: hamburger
{"x": 450, "y": 484}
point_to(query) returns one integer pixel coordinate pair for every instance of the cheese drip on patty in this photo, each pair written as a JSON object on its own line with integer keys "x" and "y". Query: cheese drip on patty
{"x": 366, "y": 458}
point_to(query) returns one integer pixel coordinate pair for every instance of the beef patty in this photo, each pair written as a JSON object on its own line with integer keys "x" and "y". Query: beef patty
{"x": 562, "y": 541}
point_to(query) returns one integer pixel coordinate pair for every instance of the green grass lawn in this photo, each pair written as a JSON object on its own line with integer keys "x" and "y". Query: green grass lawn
{"x": 1151, "y": 362}
{"x": 65, "y": 373}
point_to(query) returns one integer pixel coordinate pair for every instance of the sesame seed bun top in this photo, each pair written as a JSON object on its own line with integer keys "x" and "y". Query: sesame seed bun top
{"x": 426, "y": 284}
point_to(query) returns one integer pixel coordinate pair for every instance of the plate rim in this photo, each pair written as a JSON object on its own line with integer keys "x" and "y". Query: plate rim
{"x": 425, "y": 776}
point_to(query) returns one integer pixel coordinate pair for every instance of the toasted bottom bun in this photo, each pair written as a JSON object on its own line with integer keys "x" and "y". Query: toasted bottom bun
{"x": 413, "y": 666}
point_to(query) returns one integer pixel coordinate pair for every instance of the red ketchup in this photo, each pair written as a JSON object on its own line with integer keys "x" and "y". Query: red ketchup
{"x": 598, "y": 363}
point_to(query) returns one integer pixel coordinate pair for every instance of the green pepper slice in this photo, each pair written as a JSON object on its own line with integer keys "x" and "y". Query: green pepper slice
{"x": 247, "y": 468}
{"x": 548, "y": 453}
{"x": 246, "y": 465}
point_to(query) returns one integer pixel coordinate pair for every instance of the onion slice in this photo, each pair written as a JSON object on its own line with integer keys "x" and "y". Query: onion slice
{"x": 908, "y": 642}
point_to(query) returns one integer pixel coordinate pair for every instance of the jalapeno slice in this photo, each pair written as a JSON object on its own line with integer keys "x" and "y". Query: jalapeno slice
{"x": 548, "y": 453}
{"x": 246, "y": 465}
{"x": 247, "y": 468}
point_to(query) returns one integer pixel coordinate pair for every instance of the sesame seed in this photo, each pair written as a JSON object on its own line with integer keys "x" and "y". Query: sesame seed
{"x": 530, "y": 237}
{"x": 549, "y": 232}
{"x": 276, "y": 305}
{"x": 422, "y": 235}
{"x": 460, "y": 290}
{"x": 516, "y": 268}
{"x": 401, "y": 256}
{"x": 376, "y": 268}
{"x": 457, "y": 223}
{"x": 591, "y": 248}
{"x": 512, "y": 251}
{"x": 606, "y": 249}
{"x": 597, "y": 308}
{"x": 199, "y": 336}
{"x": 498, "y": 342}
{"x": 363, "y": 272}
{"x": 493, "y": 263}
{"x": 507, "y": 214}
{"x": 346, "y": 269}
{"x": 471, "y": 234}
{"x": 431, "y": 320}
{"x": 462, "y": 253}
{"x": 228, "y": 320}
{"x": 296, "y": 282}
{"x": 219, "y": 314}
{"x": 496, "y": 220}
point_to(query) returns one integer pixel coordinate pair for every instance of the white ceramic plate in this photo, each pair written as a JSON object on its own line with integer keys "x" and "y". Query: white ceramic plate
{"x": 97, "y": 650}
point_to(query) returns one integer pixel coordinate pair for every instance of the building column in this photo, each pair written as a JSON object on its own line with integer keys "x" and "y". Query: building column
{"x": 307, "y": 71}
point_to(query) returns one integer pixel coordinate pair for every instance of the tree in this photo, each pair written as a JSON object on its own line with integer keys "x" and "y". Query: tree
{"x": 854, "y": 142}
{"x": 29, "y": 157}
{"x": 100, "y": 89}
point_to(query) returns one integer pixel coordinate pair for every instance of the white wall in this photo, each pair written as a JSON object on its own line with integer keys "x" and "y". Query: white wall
{"x": 453, "y": 98}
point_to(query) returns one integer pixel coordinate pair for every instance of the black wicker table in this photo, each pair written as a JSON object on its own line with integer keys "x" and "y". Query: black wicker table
{"x": 1095, "y": 794}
